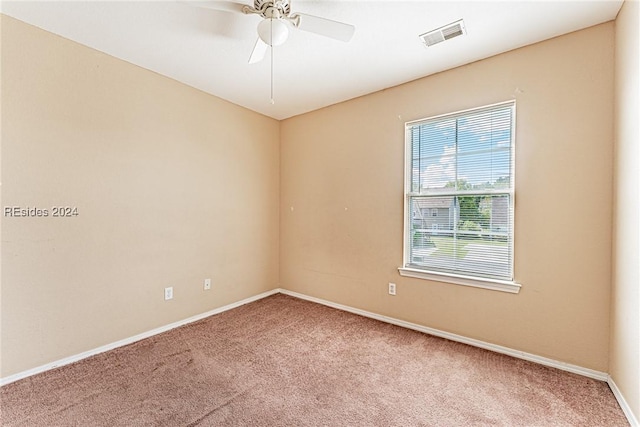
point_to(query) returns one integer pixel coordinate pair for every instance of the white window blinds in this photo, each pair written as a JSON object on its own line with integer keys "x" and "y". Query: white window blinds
{"x": 460, "y": 193}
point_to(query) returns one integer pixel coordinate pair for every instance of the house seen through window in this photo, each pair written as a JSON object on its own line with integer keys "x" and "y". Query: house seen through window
{"x": 460, "y": 193}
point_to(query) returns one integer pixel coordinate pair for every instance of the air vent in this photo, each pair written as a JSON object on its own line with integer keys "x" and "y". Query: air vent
{"x": 441, "y": 34}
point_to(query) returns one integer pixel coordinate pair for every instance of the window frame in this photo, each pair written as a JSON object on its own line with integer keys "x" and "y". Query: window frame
{"x": 413, "y": 271}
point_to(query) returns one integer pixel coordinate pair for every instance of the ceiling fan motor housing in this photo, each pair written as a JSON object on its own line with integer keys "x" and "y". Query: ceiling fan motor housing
{"x": 282, "y": 6}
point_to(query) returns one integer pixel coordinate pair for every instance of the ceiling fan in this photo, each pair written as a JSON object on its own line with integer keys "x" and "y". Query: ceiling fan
{"x": 273, "y": 30}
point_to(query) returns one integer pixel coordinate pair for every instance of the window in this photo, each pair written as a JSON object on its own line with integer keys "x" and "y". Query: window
{"x": 461, "y": 166}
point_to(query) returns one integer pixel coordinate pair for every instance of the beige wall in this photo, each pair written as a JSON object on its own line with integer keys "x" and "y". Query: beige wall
{"x": 172, "y": 186}
{"x": 341, "y": 200}
{"x": 624, "y": 366}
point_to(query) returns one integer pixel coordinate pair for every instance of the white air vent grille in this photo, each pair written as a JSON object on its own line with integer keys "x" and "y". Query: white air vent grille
{"x": 441, "y": 34}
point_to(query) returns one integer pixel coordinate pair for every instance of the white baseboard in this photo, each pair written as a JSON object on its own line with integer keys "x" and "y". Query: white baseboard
{"x": 126, "y": 341}
{"x": 602, "y": 376}
{"x": 633, "y": 421}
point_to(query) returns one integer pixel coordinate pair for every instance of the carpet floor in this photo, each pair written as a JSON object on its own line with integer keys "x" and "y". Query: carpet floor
{"x": 282, "y": 361}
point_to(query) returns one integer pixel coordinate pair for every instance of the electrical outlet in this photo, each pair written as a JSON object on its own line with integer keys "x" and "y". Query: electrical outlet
{"x": 207, "y": 284}
{"x": 168, "y": 293}
{"x": 392, "y": 288}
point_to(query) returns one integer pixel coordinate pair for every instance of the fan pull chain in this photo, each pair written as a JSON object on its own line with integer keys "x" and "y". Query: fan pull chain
{"x": 272, "y": 100}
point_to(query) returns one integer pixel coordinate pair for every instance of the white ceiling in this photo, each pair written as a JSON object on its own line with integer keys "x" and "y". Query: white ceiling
{"x": 209, "y": 49}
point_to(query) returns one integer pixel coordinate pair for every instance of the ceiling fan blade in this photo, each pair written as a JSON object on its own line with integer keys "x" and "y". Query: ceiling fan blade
{"x": 258, "y": 52}
{"x": 325, "y": 27}
{"x": 225, "y": 6}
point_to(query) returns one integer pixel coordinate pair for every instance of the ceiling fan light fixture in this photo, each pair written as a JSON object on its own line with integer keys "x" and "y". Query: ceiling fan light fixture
{"x": 273, "y": 31}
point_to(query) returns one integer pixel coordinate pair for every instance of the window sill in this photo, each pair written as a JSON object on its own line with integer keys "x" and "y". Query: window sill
{"x": 494, "y": 285}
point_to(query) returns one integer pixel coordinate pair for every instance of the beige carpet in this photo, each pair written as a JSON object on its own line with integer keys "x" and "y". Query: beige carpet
{"x": 282, "y": 361}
